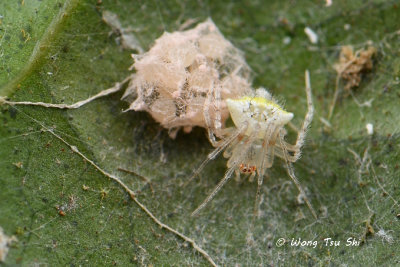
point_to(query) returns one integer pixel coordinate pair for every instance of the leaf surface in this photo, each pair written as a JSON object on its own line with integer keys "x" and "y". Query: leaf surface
{"x": 62, "y": 52}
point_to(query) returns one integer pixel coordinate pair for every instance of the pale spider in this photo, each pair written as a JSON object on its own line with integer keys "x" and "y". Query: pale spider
{"x": 258, "y": 135}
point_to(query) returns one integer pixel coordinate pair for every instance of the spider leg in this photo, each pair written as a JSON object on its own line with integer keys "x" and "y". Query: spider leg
{"x": 260, "y": 180}
{"x": 293, "y": 127}
{"x": 227, "y": 175}
{"x": 76, "y": 105}
{"x": 293, "y": 176}
{"x": 207, "y": 118}
{"x": 218, "y": 119}
{"x": 279, "y": 152}
{"x": 237, "y": 176}
{"x": 220, "y": 147}
{"x": 307, "y": 120}
{"x": 265, "y": 162}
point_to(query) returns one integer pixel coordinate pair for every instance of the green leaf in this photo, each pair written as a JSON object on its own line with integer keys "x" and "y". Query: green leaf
{"x": 62, "y": 52}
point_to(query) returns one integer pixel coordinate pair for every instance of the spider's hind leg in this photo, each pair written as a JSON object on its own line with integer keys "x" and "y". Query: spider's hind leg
{"x": 293, "y": 176}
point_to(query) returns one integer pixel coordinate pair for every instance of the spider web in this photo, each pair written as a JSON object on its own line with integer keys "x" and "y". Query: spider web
{"x": 39, "y": 176}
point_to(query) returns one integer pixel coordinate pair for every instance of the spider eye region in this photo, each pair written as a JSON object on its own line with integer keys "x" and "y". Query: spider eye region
{"x": 247, "y": 169}
{"x": 259, "y": 112}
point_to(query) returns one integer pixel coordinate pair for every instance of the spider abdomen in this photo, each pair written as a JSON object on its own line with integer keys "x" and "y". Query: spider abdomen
{"x": 260, "y": 113}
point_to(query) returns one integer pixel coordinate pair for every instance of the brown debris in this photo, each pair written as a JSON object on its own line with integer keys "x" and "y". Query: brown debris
{"x": 352, "y": 65}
